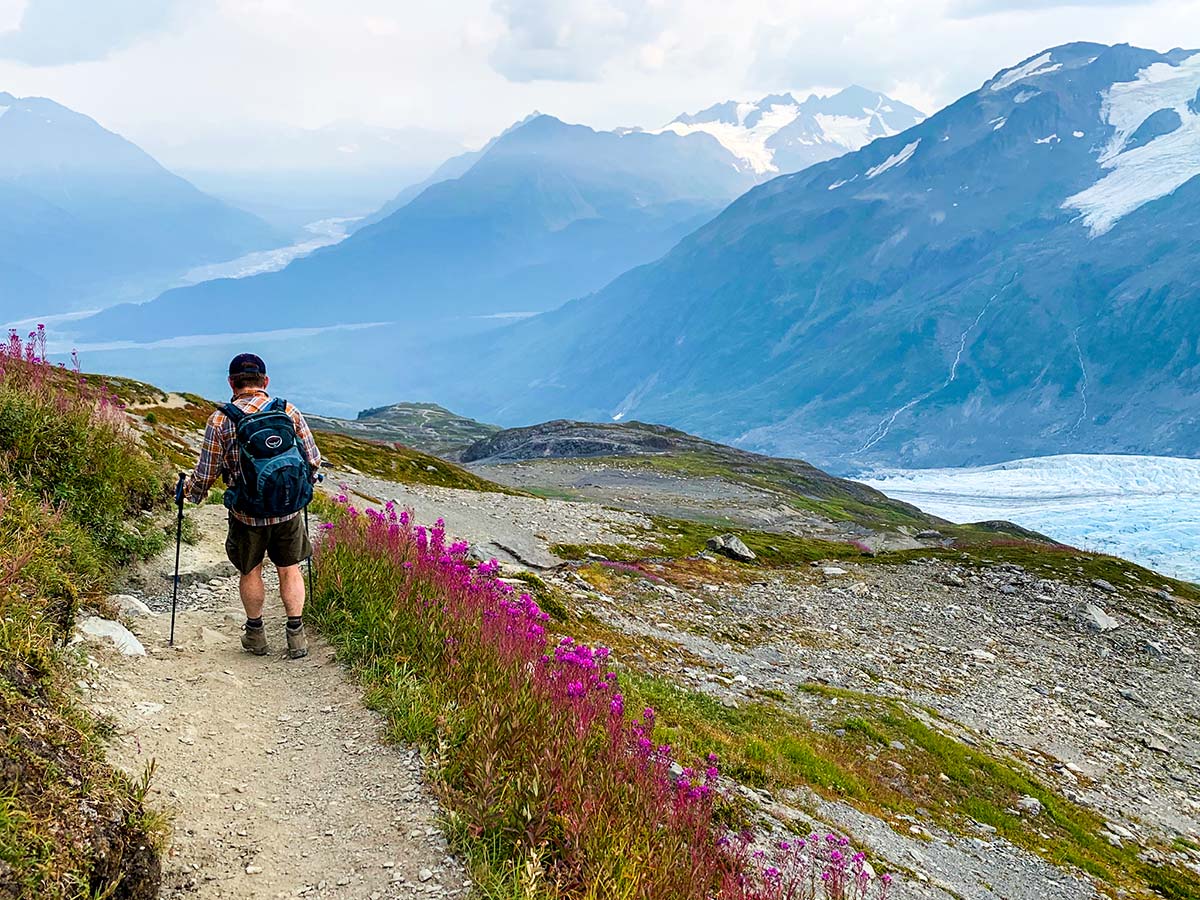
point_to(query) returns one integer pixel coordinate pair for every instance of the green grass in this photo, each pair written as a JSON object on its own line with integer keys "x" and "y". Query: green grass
{"x": 680, "y": 538}
{"x": 71, "y": 483}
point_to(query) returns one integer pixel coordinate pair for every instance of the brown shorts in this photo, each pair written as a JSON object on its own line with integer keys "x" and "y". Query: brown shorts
{"x": 286, "y": 544}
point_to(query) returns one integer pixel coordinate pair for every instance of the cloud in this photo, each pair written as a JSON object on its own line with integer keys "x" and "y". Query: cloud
{"x": 59, "y": 32}
{"x": 972, "y": 8}
{"x": 572, "y": 40}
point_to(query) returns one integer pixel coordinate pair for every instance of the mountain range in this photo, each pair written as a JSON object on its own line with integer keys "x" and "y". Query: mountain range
{"x": 547, "y": 212}
{"x": 1011, "y": 277}
{"x": 88, "y": 218}
{"x": 543, "y": 213}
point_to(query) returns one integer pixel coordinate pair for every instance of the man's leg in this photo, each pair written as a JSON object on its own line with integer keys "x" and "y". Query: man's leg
{"x": 253, "y": 593}
{"x": 245, "y": 547}
{"x": 291, "y": 590}
{"x": 288, "y": 548}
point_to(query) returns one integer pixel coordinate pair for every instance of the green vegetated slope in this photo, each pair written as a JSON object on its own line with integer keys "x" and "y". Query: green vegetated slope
{"x": 664, "y": 449}
{"x": 72, "y": 479}
{"x": 169, "y": 419}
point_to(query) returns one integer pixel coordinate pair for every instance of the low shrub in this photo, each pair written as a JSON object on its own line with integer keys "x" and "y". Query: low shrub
{"x": 71, "y": 478}
{"x": 546, "y": 781}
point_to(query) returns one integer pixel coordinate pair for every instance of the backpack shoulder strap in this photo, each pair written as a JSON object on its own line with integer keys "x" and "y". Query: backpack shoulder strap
{"x": 278, "y": 405}
{"x": 235, "y": 413}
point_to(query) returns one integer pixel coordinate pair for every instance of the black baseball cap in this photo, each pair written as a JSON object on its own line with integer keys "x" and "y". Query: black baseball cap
{"x": 247, "y": 364}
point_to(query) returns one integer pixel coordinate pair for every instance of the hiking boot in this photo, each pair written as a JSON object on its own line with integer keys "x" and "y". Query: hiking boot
{"x": 254, "y": 640}
{"x": 297, "y": 642}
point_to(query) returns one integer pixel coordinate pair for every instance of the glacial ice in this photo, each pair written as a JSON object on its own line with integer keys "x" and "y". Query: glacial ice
{"x": 1143, "y": 508}
{"x": 1148, "y": 172}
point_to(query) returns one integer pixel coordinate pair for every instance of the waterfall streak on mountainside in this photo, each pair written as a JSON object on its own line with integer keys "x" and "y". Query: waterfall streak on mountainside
{"x": 881, "y": 430}
{"x": 1083, "y": 385}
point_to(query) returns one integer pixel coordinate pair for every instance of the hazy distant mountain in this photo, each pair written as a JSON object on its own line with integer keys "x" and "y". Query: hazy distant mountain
{"x": 86, "y": 217}
{"x": 780, "y": 134}
{"x": 1012, "y": 277}
{"x": 454, "y": 167}
{"x": 548, "y": 212}
{"x": 293, "y": 176}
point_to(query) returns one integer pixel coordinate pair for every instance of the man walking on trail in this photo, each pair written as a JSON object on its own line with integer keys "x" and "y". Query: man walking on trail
{"x": 265, "y": 452}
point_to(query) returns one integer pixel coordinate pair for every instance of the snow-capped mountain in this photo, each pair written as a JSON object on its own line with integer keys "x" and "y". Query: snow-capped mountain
{"x": 1014, "y": 276}
{"x": 780, "y": 134}
{"x": 88, "y": 217}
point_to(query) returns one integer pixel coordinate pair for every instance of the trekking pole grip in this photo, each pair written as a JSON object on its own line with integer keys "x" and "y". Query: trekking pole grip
{"x": 179, "y": 489}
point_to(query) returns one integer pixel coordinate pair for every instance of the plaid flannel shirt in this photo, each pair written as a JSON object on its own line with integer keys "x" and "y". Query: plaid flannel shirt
{"x": 220, "y": 456}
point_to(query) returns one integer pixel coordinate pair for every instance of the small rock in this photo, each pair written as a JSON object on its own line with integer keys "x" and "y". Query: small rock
{"x": 929, "y": 534}
{"x": 1097, "y": 619}
{"x": 1153, "y": 743}
{"x": 253, "y": 870}
{"x": 424, "y": 875}
{"x": 1154, "y": 648}
{"x": 1105, "y": 586}
{"x": 130, "y": 605}
{"x": 833, "y": 570}
{"x": 1030, "y": 805}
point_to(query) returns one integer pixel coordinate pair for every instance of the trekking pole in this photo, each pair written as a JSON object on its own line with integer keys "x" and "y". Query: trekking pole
{"x": 178, "y": 541}
{"x": 310, "y": 556}
{"x": 320, "y": 478}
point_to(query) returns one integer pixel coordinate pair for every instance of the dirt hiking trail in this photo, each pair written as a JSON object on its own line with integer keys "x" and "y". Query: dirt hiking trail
{"x": 277, "y": 779}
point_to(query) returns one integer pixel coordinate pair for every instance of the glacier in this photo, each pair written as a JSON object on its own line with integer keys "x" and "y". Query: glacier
{"x": 1142, "y": 508}
{"x": 1141, "y": 174}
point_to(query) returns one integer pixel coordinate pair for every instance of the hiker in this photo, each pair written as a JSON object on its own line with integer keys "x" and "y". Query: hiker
{"x": 265, "y": 452}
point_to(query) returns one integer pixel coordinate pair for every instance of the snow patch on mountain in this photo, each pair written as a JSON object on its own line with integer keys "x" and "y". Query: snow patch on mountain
{"x": 1040, "y": 65}
{"x": 1142, "y": 508}
{"x": 896, "y": 159}
{"x": 1145, "y": 172}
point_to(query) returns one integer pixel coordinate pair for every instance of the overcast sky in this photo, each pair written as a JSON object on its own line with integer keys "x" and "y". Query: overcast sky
{"x": 157, "y": 68}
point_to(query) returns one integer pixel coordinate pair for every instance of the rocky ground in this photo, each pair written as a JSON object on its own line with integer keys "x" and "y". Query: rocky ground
{"x": 1098, "y": 691}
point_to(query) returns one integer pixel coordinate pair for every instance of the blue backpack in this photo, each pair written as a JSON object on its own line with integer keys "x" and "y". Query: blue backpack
{"x": 275, "y": 477}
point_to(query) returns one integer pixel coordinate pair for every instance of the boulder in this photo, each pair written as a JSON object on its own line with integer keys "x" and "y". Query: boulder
{"x": 1097, "y": 619}
{"x": 96, "y": 628}
{"x": 130, "y": 605}
{"x": 732, "y": 546}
